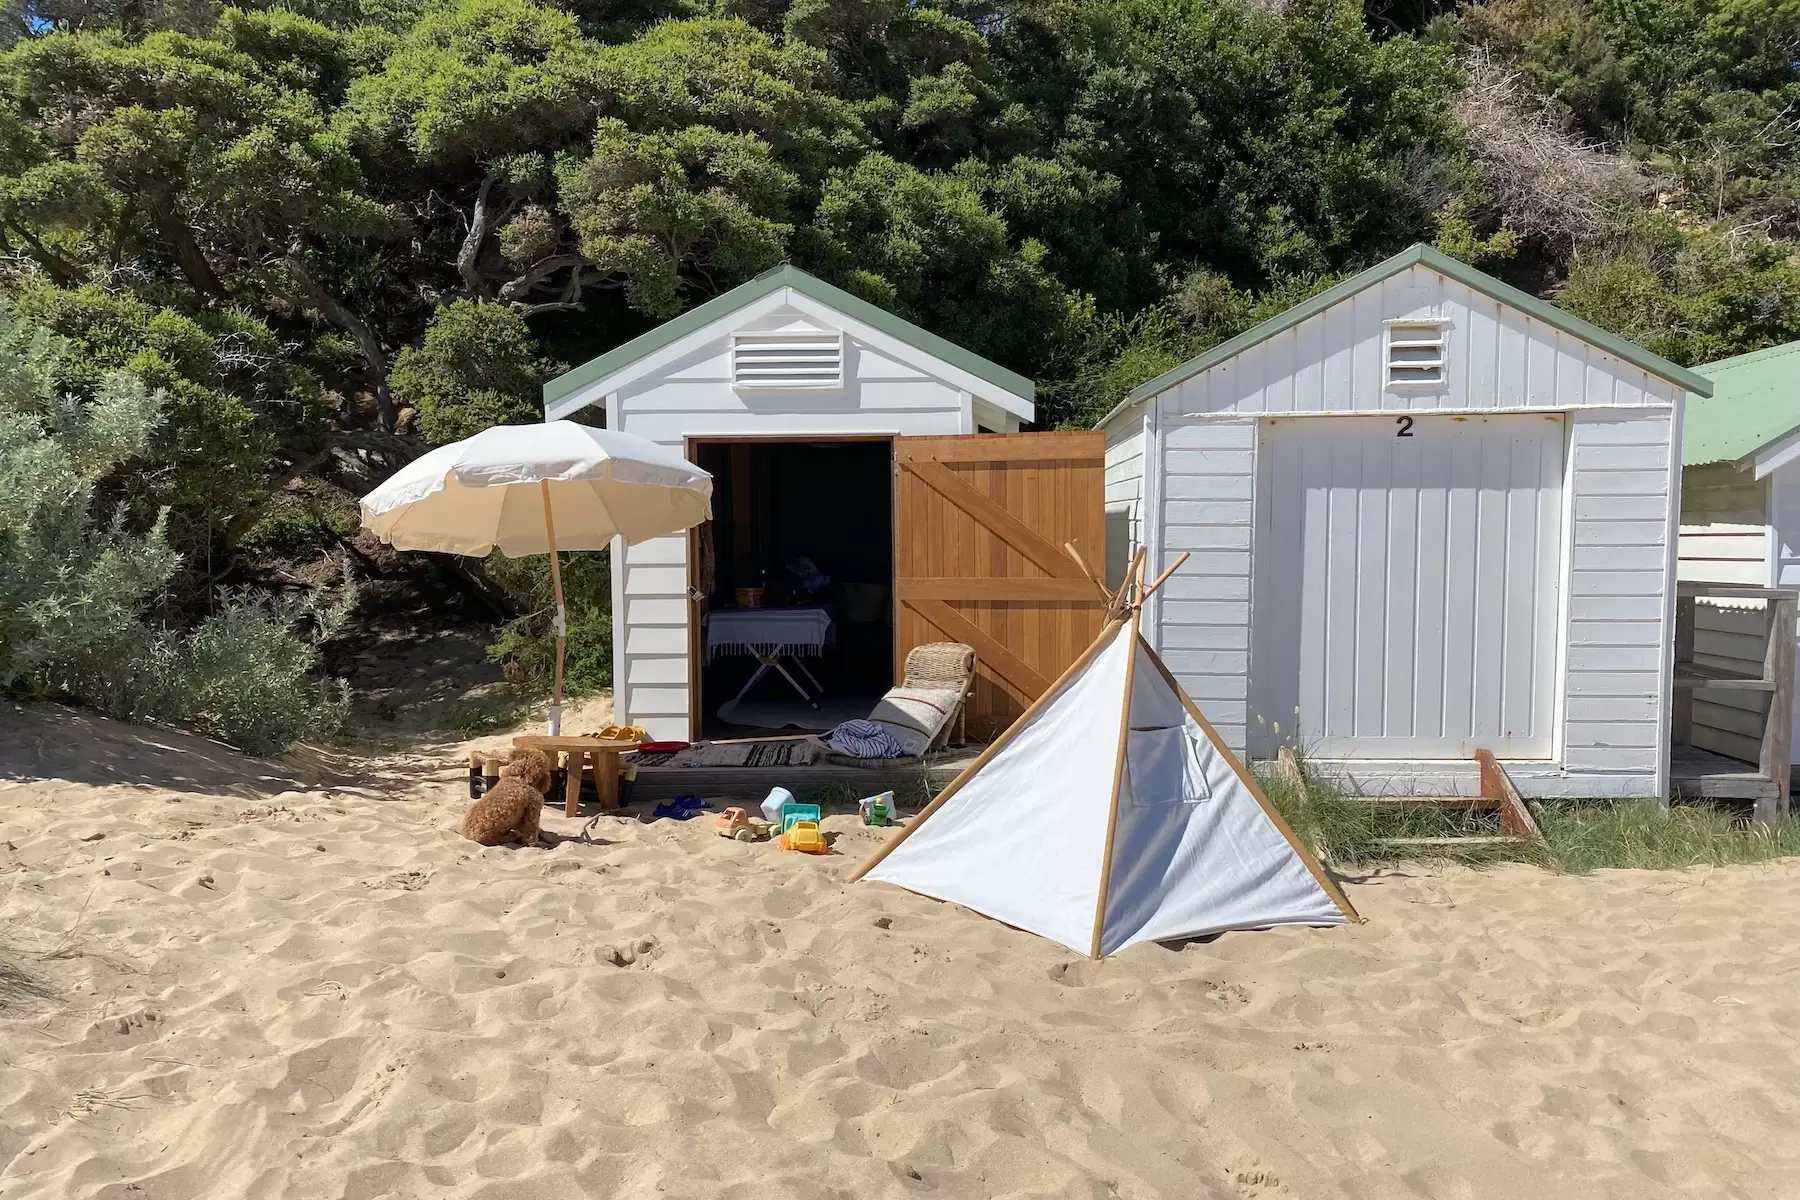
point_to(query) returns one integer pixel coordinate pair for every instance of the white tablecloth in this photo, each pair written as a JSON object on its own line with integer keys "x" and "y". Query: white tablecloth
{"x": 767, "y": 631}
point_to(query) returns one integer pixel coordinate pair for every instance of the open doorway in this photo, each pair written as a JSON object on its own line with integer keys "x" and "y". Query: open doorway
{"x": 795, "y": 576}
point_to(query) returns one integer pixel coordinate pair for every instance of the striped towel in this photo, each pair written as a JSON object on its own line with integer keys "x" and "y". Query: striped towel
{"x": 863, "y": 739}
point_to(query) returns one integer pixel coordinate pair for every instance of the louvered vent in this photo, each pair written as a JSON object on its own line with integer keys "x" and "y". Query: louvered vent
{"x": 1415, "y": 353}
{"x": 789, "y": 359}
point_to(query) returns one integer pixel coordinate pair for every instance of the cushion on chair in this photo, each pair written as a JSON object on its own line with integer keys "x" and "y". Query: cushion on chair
{"x": 914, "y": 715}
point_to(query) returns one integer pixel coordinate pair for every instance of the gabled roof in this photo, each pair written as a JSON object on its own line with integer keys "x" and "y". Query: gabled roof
{"x": 618, "y": 359}
{"x": 1755, "y": 402}
{"x": 1421, "y": 255}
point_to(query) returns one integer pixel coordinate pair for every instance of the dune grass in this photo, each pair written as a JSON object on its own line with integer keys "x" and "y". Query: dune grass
{"x": 17, "y": 985}
{"x": 1578, "y": 836}
{"x": 1638, "y": 833}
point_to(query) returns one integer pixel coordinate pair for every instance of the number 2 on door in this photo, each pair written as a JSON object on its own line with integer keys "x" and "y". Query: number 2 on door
{"x": 1405, "y": 424}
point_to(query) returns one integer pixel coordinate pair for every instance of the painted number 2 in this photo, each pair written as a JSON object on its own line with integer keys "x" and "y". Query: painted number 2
{"x": 1405, "y": 429}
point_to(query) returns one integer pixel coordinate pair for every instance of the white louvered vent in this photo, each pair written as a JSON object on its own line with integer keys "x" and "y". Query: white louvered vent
{"x": 1415, "y": 353}
{"x": 787, "y": 359}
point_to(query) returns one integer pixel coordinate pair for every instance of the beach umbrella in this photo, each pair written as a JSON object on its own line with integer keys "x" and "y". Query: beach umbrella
{"x": 535, "y": 489}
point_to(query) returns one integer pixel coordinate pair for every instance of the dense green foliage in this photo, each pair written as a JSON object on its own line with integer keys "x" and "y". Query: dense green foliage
{"x": 78, "y": 577}
{"x": 331, "y": 232}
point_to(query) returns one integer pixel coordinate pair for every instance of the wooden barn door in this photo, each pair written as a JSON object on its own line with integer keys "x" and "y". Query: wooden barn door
{"x": 979, "y": 526}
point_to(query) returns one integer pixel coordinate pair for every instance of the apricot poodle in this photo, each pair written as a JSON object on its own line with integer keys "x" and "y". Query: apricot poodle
{"x": 509, "y": 812}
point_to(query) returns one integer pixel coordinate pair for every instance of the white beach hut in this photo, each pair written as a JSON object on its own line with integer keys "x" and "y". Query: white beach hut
{"x": 1428, "y": 514}
{"x": 886, "y": 457}
{"x": 1740, "y": 526}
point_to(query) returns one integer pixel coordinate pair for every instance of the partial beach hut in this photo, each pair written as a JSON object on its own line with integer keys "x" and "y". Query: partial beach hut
{"x": 847, "y": 445}
{"x": 1740, "y": 524}
{"x": 1429, "y": 514}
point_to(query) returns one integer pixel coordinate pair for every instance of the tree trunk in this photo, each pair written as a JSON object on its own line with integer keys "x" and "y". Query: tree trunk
{"x": 180, "y": 240}
{"x": 338, "y": 314}
{"x": 62, "y": 272}
{"x": 481, "y": 224}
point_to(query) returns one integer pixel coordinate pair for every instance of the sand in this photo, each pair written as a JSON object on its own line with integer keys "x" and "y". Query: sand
{"x": 293, "y": 980}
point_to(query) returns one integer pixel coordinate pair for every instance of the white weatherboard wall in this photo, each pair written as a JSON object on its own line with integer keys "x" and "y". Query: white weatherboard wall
{"x": 1725, "y": 524}
{"x": 888, "y": 390}
{"x": 1603, "y": 589}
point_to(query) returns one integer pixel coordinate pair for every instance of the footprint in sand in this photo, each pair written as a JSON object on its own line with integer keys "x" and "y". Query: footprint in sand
{"x": 1255, "y": 1182}
{"x": 642, "y": 950}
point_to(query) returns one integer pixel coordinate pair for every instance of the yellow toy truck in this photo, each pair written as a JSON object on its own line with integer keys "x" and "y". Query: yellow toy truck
{"x": 805, "y": 837}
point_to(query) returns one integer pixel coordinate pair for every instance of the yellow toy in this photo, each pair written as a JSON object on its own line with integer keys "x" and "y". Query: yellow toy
{"x": 805, "y": 837}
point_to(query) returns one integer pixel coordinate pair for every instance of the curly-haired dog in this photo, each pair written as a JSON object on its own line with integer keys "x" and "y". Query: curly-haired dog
{"x": 511, "y": 808}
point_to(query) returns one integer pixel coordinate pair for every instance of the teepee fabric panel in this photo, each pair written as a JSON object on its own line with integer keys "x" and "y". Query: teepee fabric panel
{"x": 1193, "y": 851}
{"x": 1023, "y": 841}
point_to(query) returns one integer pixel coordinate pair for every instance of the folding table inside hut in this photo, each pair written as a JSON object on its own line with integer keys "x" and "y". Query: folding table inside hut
{"x": 579, "y": 754}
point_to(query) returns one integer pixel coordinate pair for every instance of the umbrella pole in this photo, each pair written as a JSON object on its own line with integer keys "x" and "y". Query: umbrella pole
{"x": 562, "y": 623}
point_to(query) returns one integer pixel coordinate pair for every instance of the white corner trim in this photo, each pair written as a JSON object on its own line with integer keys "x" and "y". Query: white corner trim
{"x": 1665, "y": 728}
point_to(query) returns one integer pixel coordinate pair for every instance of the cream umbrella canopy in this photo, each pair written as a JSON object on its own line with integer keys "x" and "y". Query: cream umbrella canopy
{"x": 535, "y": 489}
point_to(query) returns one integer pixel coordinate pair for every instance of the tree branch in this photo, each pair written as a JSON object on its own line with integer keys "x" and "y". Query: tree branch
{"x": 396, "y": 449}
{"x": 338, "y": 314}
{"x": 579, "y": 278}
{"x": 481, "y": 223}
{"x": 179, "y": 238}
{"x": 537, "y": 272}
{"x": 62, "y": 272}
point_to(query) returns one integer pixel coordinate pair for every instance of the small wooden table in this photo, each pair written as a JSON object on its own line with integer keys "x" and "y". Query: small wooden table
{"x": 579, "y": 754}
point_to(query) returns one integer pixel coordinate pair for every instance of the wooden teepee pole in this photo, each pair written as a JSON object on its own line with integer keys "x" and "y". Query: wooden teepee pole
{"x": 1118, "y": 783}
{"x": 1164, "y": 577}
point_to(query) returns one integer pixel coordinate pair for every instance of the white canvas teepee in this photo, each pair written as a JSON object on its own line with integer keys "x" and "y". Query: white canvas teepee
{"x": 1110, "y": 814}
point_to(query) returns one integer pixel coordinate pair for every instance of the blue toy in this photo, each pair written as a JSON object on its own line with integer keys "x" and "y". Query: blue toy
{"x": 792, "y": 813}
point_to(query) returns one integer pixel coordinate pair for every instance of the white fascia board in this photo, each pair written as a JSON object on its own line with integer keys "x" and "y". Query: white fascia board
{"x": 1017, "y": 405}
{"x": 1120, "y": 407}
{"x": 598, "y": 390}
{"x": 1772, "y": 458}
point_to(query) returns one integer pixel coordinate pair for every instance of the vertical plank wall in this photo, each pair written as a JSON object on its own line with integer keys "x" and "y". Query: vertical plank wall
{"x": 1208, "y": 510}
{"x": 1612, "y": 683}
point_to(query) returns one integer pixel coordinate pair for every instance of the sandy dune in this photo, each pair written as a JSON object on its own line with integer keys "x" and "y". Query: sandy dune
{"x": 295, "y": 981}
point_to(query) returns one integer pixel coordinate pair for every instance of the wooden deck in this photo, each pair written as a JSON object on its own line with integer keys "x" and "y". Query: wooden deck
{"x": 1696, "y": 774}
{"x": 1703, "y": 774}
{"x": 738, "y": 784}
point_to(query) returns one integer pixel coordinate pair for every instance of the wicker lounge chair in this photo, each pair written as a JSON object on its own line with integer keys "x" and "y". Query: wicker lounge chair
{"x": 920, "y": 710}
{"x": 944, "y": 665}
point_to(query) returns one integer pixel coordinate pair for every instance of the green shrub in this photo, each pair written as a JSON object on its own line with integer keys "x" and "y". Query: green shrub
{"x": 478, "y": 366}
{"x": 528, "y": 645}
{"x": 78, "y": 584}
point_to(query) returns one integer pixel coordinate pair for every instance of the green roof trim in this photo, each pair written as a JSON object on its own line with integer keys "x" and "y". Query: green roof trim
{"x": 785, "y": 276}
{"x": 1421, "y": 255}
{"x": 1755, "y": 402}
